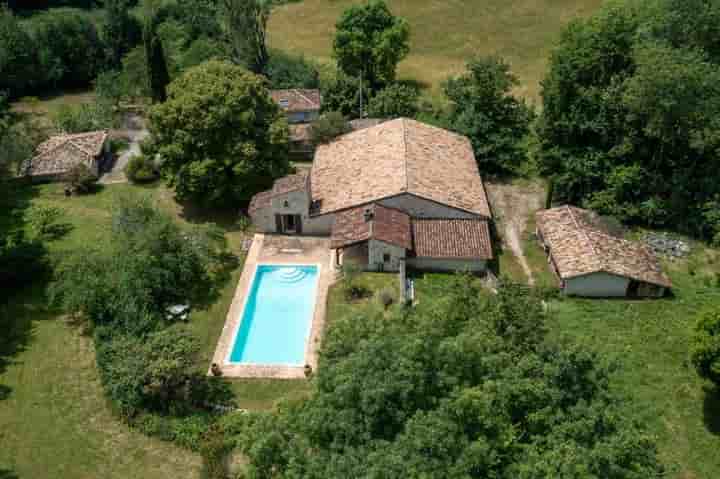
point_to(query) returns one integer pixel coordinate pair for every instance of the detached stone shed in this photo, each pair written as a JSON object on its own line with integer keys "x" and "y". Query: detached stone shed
{"x": 58, "y": 155}
{"x": 590, "y": 262}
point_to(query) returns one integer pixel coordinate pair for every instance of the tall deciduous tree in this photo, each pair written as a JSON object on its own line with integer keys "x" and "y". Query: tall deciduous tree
{"x": 705, "y": 350}
{"x": 245, "y": 29}
{"x": 18, "y": 55}
{"x": 219, "y": 134}
{"x": 158, "y": 76}
{"x": 121, "y": 31}
{"x": 370, "y": 41}
{"x": 484, "y": 109}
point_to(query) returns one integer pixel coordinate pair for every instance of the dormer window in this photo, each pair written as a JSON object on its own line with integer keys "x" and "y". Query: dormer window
{"x": 284, "y": 103}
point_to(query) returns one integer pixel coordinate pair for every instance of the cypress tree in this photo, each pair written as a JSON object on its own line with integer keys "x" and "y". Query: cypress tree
{"x": 158, "y": 75}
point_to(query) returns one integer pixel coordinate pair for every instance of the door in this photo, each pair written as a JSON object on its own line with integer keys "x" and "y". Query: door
{"x": 289, "y": 224}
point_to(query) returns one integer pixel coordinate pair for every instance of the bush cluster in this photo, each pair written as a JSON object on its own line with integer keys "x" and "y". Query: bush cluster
{"x": 141, "y": 169}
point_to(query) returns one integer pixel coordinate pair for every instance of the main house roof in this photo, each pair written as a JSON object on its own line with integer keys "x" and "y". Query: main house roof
{"x": 396, "y": 157}
{"x": 61, "y": 153}
{"x": 296, "y": 100}
{"x": 579, "y": 247}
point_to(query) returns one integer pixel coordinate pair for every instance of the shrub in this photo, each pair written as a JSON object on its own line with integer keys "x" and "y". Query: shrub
{"x": 44, "y": 222}
{"x": 328, "y": 127}
{"x": 394, "y": 101}
{"x": 140, "y": 169}
{"x": 387, "y": 297}
{"x": 352, "y": 290}
{"x": 85, "y": 117}
{"x": 291, "y": 71}
{"x": 705, "y": 349}
{"x": 80, "y": 179}
{"x": 214, "y": 450}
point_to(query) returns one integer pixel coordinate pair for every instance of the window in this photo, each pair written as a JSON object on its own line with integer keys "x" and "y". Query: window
{"x": 386, "y": 258}
{"x": 284, "y": 103}
{"x": 286, "y": 204}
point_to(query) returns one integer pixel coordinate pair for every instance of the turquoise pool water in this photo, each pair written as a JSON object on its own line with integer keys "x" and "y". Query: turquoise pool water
{"x": 278, "y": 312}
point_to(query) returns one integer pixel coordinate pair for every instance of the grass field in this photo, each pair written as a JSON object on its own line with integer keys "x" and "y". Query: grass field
{"x": 54, "y": 420}
{"x": 445, "y": 33}
{"x": 650, "y": 340}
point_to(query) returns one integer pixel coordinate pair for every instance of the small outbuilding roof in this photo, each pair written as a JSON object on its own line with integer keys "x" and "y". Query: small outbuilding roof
{"x": 60, "y": 153}
{"x": 580, "y": 247}
{"x": 296, "y": 100}
{"x": 371, "y": 222}
{"x": 283, "y": 185}
{"x": 396, "y": 157}
{"x": 467, "y": 238}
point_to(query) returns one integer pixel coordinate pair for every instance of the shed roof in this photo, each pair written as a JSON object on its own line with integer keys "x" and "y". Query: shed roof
{"x": 452, "y": 238}
{"x": 60, "y": 153}
{"x": 296, "y": 99}
{"x": 580, "y": 247}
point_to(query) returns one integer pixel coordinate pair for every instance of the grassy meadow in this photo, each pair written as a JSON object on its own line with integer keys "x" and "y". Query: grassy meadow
{"x": 444, "y": 34}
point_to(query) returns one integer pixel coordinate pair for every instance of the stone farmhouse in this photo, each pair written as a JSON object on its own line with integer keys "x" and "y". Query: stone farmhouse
{"x": 397, "y": 193}
{"x": 58, "y": 155}
{"x": 301, "y": 108}
{"x": 591, "y": 262}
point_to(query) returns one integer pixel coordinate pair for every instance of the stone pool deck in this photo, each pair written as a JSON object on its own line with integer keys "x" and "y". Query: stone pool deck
{"x": 277, "y": 249}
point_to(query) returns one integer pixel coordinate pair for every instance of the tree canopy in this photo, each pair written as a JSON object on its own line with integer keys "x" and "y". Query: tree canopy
{"x": 220, "y": 136}
{"x": 370, "y": 41}
{"x": 484, "y": 109}
{"x": 246, "y": 26}
{"x": 705, "y": 350}
{"x": 467, "y": 387}
{"x": 630, "y": 114}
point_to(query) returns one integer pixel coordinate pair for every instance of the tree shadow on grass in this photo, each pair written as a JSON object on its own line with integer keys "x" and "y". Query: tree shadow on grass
{"x": 711, "y": 409}
{"x": 8, "y": 474}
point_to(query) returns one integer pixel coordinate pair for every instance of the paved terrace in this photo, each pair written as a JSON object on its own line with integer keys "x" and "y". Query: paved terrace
{"x": 277, "y": 249}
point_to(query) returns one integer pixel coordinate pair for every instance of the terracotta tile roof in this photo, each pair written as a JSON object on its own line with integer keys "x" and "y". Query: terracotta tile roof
{"x": 286, "y": 184}
{"x": 61, "y": 153}
{"x": 395, "y": 157}
{"x": 297, "y": 181}
{"x": 580, "y": 247}
{"x": 260, "y": 201}
{"x": 295, "y": 100}
{"x": 362, "y": 123}
{"x": 383, "y": 224}
{"x": 452, "y": 238}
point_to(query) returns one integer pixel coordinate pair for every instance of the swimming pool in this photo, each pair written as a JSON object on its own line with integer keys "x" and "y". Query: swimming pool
{"x": 276, "y": 319}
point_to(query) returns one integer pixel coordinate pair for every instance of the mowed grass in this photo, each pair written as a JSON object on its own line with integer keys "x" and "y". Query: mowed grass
{"x": 444, "y": 33}
{"x": 54, "y": 419}
{"x": 650, "y": 339}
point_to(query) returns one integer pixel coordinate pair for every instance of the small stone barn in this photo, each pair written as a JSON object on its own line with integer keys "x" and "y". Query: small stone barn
{"x": 58, "y": 155}
{"x": 591, "y": 262}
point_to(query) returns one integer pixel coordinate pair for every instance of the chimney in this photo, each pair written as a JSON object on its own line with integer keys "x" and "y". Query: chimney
{"x": 368, "y": 215}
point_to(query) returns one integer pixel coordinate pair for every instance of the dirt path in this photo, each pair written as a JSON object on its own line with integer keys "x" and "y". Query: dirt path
{"x": 134, "y": 130}
{"x": 512, "y": 205}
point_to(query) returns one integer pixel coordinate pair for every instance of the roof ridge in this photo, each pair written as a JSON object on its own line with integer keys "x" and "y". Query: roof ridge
{"x": 405, "y": 155}
{"x": 297, "y": 90}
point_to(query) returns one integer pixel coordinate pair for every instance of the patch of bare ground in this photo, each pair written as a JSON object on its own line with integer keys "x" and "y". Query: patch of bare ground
{"x": 512, "y": 204}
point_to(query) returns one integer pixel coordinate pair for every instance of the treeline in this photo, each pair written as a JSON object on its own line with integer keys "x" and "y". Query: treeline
{"x": 58, "y": 49}
{"x": 631, "y": 118}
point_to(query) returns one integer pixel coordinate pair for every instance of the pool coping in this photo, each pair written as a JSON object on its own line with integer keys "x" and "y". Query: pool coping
{"x": 237, "y": 308}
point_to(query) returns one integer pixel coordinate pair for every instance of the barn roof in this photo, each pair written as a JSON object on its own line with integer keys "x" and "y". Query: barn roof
{"x": 60, "y": 153}
{"x": 580, "y": 247}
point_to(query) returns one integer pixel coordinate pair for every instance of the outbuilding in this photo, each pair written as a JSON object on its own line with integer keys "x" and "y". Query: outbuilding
{"x": 590, "y": 261}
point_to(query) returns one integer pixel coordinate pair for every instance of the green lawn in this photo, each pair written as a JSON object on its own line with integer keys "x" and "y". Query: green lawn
{"x": 650, "y": 340}
{"x": 444, "y": 33}
{"x": 54, "y": 420}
